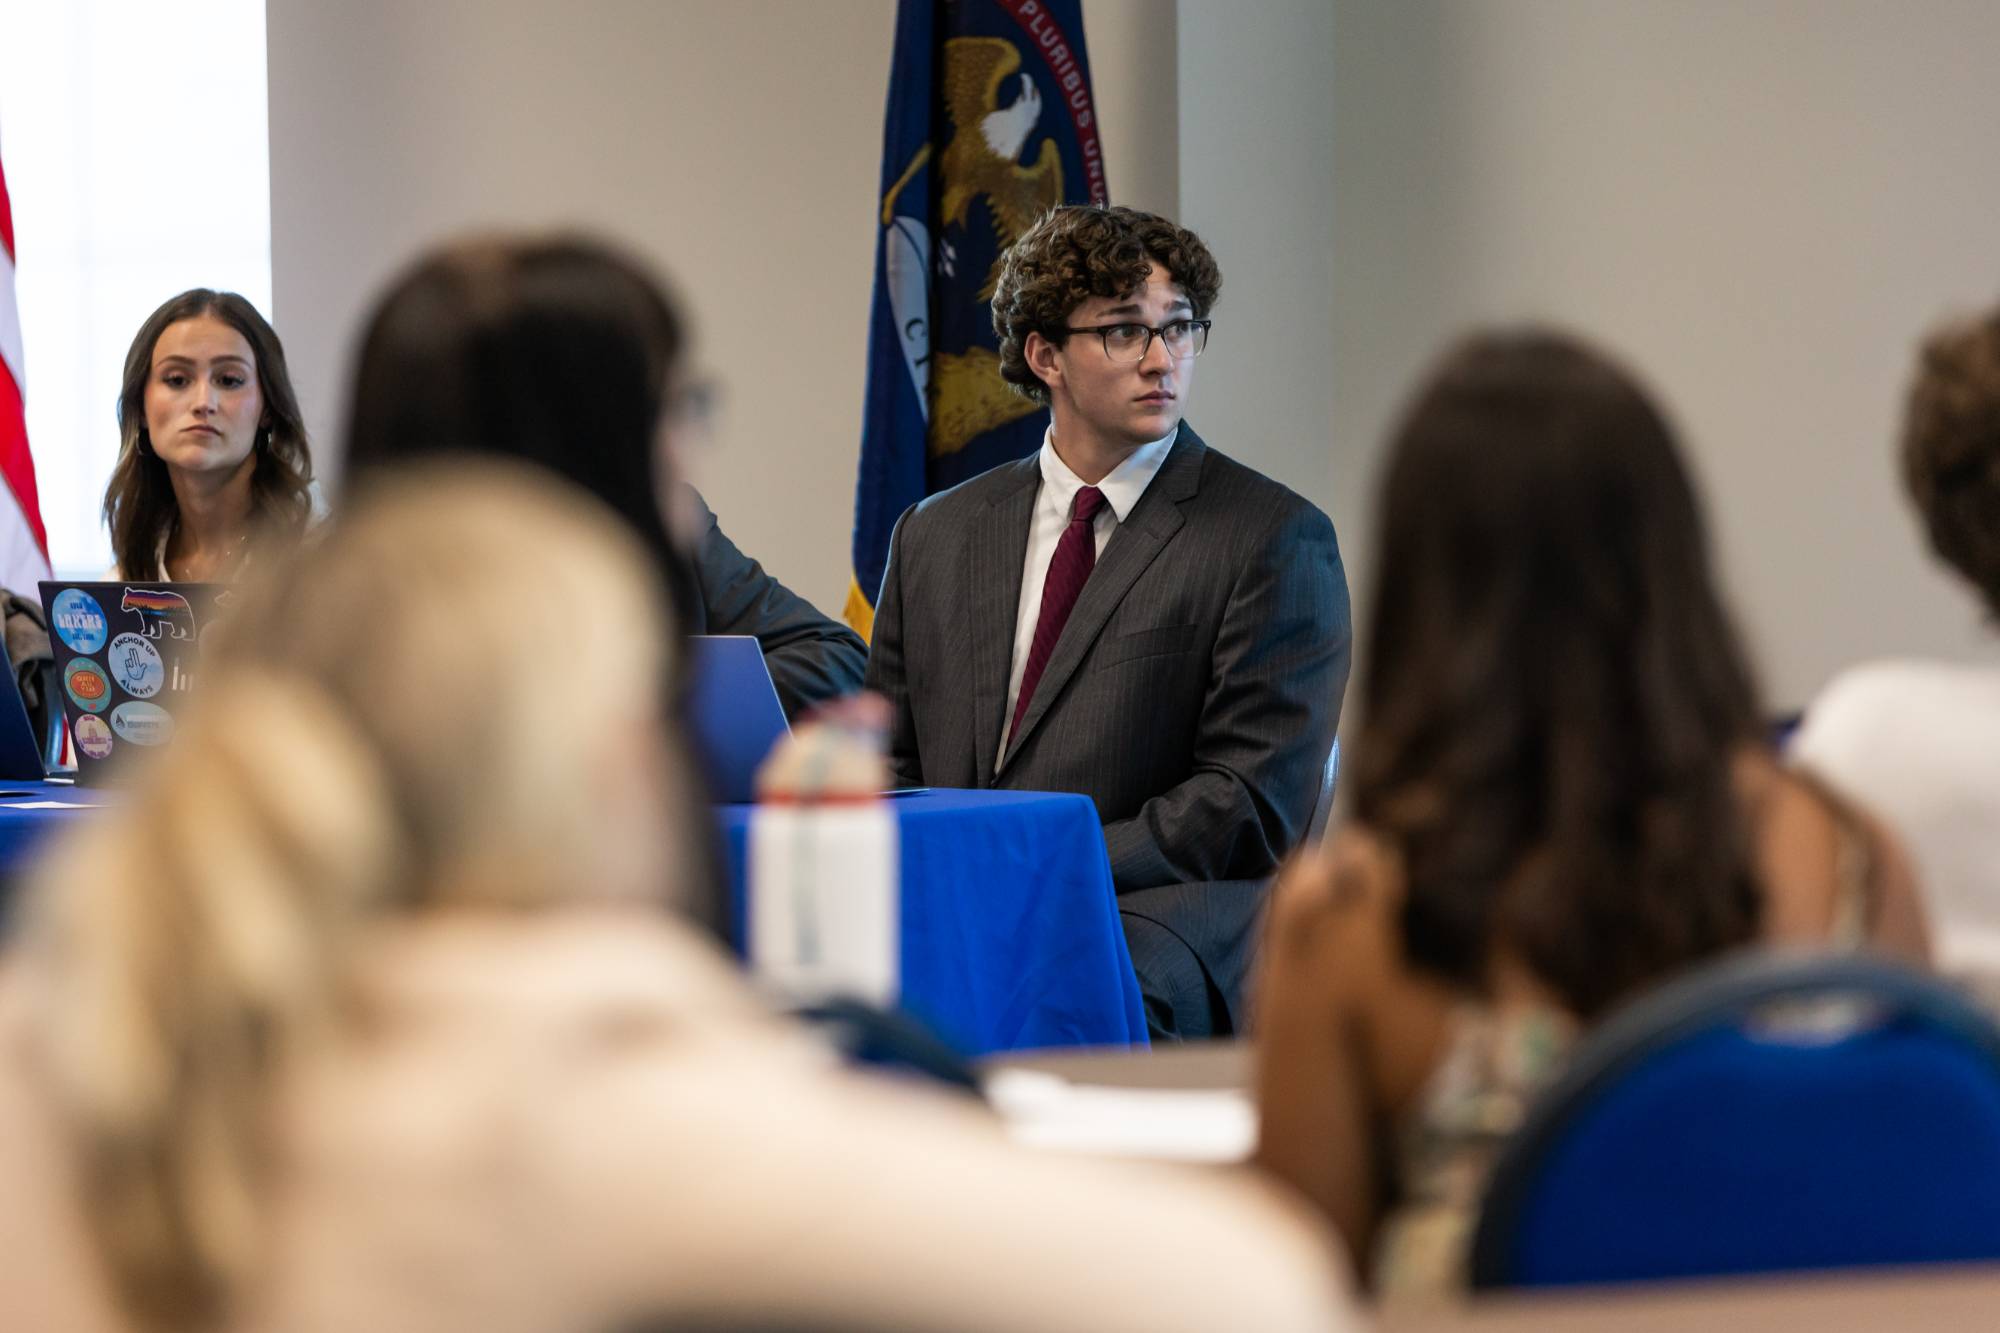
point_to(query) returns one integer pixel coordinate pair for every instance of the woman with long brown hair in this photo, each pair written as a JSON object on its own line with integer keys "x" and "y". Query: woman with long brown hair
{"x": 1560, "y": 796}
{"x": 213, "y": 461}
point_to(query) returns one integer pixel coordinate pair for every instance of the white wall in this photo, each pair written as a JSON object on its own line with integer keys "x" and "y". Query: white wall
{"x": 738, "y": 145}
{"x": 1134, "y": 71}
{"x": 1257, "y": 179}
{"x": 108, "y": 222}
{"x": 1760, "y": 205}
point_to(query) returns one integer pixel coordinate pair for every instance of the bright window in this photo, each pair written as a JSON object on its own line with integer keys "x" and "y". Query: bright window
{"x": 136, "y": 140}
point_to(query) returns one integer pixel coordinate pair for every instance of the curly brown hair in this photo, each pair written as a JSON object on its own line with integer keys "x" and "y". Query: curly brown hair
{"x": 1951, "y": 448}
{"x": 1085, "y": 250}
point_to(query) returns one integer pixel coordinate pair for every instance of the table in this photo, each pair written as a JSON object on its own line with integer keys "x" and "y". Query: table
{"x": 1190, "y": 1103}
{"x": 1010, "y": 937}
{"x": 25, "y": 821}
{"x": 1943, "y": 1298}
{"x": 1227, "y": 1065}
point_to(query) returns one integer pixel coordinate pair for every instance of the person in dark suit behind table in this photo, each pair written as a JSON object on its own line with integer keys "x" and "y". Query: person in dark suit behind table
{"x": 510, "y": 345}
{"x": 812, "y": 659}
{"x": 1128, "y": 614}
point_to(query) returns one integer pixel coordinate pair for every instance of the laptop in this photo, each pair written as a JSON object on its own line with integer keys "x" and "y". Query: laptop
{"x": 732, "y": 712}
{"x": 127, "y": 654}
{"x": 20, "y": 748}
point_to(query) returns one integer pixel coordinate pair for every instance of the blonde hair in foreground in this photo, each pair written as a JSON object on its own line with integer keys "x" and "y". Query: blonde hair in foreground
{"x": 390, "y": 726}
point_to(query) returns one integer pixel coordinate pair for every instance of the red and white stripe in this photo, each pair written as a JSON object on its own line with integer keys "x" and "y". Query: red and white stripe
{"x": 24, "y": 543}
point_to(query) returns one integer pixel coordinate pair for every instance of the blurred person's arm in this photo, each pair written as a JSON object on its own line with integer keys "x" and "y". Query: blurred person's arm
{"x": 1819, "y": 848}
{"x": 758, "y": 1187}
{"x": 1900, "y": 927}
{"x": 812, "y": 659}
{"x": 1347, "y": 1033}
{"x": 1314, "y": 1132}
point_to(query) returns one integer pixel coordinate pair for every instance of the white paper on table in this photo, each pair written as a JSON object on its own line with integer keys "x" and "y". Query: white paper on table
{"x": 824, "y": 901}
{"x": 1044, "y": 1110}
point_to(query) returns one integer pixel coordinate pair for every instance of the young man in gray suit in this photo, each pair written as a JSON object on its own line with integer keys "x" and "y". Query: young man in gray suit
{"x": 1128, "y": 614}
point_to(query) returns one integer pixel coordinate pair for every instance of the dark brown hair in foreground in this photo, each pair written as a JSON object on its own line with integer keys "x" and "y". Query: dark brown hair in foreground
{"x": 556, "y": 350}
{"x": 1555, "y": 694}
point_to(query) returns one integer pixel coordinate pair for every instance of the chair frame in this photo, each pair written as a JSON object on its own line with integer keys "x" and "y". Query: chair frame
{"x": 1329, "y": 779}
{"x": 1715, "y": 995}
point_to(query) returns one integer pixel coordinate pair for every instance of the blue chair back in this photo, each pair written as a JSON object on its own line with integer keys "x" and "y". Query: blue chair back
{"x": 1766, "y": 1114}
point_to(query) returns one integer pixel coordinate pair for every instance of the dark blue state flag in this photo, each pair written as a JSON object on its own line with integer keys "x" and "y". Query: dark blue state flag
{"x": 990, "y": 124}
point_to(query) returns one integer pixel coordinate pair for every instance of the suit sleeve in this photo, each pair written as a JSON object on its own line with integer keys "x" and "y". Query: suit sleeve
{"x": 886, "y": 675}
{"x": 812, "y": 659}
{"x": 1273, "y": 705}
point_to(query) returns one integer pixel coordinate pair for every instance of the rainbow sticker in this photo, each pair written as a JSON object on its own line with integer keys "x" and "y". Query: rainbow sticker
{"x": 88, "y": 687}
{"x": 163, "y": 613}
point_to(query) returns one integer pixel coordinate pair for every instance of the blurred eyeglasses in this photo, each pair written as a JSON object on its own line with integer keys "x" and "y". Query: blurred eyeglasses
{"x": 693, "y": 402}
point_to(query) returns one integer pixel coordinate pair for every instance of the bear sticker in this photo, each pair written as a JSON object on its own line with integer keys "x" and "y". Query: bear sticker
{"x": 162, "y": 614}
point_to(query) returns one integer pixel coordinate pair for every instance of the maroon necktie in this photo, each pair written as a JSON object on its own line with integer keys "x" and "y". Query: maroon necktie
{"x": 1069, "y": 570}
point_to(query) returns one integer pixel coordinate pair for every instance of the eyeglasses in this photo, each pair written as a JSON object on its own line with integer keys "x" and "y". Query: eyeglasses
{"x": 692, "y": 402}
{"x": 688, "y": 416}
{"x": 1131, "y": 342}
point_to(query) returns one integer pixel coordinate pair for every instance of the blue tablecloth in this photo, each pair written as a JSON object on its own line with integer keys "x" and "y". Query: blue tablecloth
{"x": 1010, "y": 930}
{"x": 26, "y": 818}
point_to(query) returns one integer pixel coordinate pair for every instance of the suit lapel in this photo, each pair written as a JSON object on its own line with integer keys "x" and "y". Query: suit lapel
{"x": 997, "y": 548}
{"x": 1144, "y": 533}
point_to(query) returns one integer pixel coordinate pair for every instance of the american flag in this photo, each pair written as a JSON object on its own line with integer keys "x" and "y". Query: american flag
{"x": 24, "y": 543}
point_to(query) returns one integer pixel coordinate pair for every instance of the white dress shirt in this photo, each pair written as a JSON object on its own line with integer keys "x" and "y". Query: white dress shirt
{"x": 1122, "y": 489}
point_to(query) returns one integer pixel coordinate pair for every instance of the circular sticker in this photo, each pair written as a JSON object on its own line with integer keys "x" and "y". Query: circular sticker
{"x": 93, "y": 737}
{"x": 87, "y": 687}
{"x": 80, "y": 621}
{"x": 136, "y": 666}
{"x": 143, "y": 724}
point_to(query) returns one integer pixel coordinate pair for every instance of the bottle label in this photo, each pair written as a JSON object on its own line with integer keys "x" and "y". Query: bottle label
{"x": 824, "y": 901}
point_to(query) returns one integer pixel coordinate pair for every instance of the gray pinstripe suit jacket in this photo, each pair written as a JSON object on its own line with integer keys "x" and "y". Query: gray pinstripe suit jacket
{"x": 1195, "y": 689}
